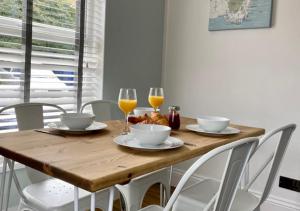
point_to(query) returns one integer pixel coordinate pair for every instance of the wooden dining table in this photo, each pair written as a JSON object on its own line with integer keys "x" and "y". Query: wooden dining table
{"x": 94, "y": 162}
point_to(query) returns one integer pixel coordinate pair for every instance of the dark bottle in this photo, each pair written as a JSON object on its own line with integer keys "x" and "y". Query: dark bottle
{"x": 174, "y": 118}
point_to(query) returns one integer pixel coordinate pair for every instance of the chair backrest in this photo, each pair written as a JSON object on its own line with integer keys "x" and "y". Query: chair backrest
{"x": 104, "y": 110}
{"x": 30, "y": 116}
{"x": 240, "y": 152}
{"x": 286, "y": 133}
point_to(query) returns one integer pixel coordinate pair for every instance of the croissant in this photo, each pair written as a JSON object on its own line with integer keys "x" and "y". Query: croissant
{"x": 155, "y": 118}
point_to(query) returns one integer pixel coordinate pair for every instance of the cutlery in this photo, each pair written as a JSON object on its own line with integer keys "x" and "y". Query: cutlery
{"x": 189, "y": 144}
{"x": 49, "y": 132}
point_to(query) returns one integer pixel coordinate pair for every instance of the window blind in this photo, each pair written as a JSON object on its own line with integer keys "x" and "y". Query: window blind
{"x": 54, "y": 54}
{"x": 12, "y": 60}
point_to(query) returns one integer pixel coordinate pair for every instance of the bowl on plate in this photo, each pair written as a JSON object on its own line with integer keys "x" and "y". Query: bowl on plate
{"x": 141, "y": 111}
{"x": 213, "y": 123}
{"x": 150, "y": 134}
{"x": 77, "y": 121}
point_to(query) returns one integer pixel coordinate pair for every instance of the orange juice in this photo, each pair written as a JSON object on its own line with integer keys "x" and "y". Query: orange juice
{"x": 127, "y": 105}
{"x": 156, "y": 101}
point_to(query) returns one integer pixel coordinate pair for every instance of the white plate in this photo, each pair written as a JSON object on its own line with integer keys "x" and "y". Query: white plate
{"x": 227, "y": 131}
{"x": 95, "y": 126}
{"x": 131, "y": 142}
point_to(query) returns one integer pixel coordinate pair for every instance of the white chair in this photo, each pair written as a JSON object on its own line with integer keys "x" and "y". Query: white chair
{"x": 132, "y": 194}
{"x": 57, "y": 195}
{"x": 104, "y": 110}
{"x": 196, "y": 195}
{"x": 239, "y": 154}
{"x": 30, "y": 116}
{"x": 44, "y": 194}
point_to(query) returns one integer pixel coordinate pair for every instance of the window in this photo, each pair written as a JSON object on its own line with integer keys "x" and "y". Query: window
{"x": 45, "y": 66}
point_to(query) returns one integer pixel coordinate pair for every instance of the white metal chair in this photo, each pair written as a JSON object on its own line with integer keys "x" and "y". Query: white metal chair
{"x": 30, "y": 116}
{"x": 132, "y": 194}
{"x": 57, "y": 195}
{"x": 196, "y": 195}
{"x": 44, "y": 194}
{"x": 221, "y": 200}
{"x": 104, "y": 110}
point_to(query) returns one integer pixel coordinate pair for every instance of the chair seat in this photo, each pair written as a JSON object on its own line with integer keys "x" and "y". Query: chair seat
{"x": 244, "y": 201}
{"x": 55, "y": 194}
{"x": 152, "y": 208}
{"x": 197, "y": 196}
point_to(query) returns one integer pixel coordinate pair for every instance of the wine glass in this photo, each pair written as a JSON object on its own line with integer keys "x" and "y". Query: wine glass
{"x": 127, "y": 102}
{"x": 156, "y": 97}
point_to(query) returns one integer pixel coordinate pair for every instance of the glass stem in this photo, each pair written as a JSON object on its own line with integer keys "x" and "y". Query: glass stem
{"x": 126, "y": 129}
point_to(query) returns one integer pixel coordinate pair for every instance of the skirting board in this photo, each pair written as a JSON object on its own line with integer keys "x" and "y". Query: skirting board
{"x": 272, "y": 203}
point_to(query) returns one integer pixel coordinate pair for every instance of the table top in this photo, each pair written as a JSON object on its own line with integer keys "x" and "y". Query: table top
{"x": 94, "y": 162}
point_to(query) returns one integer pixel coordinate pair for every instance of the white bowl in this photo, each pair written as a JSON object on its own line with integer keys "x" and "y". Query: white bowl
{"x": 141, "y": 111}
{"x": 149, "y": 134}
{"x": 213, "y": 123}
{"x": 77, "y": 121}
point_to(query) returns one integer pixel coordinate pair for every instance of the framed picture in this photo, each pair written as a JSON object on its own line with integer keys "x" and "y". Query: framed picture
{"x": 239, "y": 14}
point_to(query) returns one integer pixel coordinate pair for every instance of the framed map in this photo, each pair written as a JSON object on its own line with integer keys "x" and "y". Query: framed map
{"x": 239, "y": 14}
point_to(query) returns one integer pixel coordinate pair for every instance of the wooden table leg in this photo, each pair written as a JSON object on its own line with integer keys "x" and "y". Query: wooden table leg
{"x": 2, "y": 186}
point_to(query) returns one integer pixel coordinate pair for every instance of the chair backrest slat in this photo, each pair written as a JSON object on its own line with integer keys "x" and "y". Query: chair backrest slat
{"x": 29, "y": 117}
{"x": 231, "y": 177}
{"x": 286, "y": 133}
{"x": 240, "y": 152}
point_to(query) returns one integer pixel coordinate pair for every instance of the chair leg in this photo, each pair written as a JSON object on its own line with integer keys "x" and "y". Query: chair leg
{"x": 162, "y": 195}
{"x": 167, "y": 194}
{"x": 2, "y": 188}
{"x": 122, "y": 203}
{"x": 111, "y": 199}
{"x": 257, "y": 209}
{"x": 11, "y": 165}
{"x": 24, "y": 207}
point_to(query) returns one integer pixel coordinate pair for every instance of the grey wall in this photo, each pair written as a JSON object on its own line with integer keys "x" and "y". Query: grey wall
{"x": 133, "y": 47}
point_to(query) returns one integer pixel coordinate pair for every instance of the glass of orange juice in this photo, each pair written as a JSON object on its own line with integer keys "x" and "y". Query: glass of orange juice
{"x": 156, "y": 97}
{"x": 127, "y": 102}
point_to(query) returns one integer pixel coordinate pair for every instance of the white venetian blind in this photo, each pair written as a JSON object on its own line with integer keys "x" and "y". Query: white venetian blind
{"x": 54, "y": 62}
{"x": 11, "y": 59}
{"x": 54, "y": 55}
{"x": 93, "y": 51}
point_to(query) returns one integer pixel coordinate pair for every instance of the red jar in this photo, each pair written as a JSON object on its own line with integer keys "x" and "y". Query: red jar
{"x": 174, "y": 118}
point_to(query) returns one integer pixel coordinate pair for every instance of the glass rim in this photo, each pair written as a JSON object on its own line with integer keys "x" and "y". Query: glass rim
{"x": 127, "y": 88}
{"x": 156, "y": 88}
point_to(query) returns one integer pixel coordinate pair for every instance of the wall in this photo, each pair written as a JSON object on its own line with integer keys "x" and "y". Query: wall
{"x": 250, "y": 76}
{"x": 133, "y": 47}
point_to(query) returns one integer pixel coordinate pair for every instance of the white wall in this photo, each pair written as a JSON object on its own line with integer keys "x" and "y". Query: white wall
{"x": 251, "y": 76}
{"x": 133, "y": 47}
